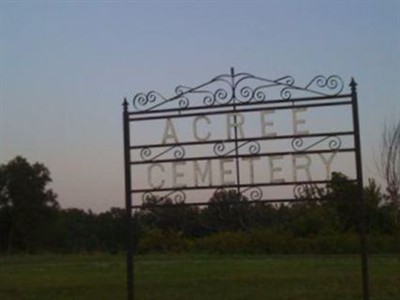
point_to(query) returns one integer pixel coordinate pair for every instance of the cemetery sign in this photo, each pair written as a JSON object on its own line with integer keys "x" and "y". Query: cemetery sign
{"x": 267, "y": 139}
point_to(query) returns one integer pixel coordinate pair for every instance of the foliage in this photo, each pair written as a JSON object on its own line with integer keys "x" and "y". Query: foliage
{"x": 158, "y": 241}
{"x": 164, "y": 214}
{"x": 227, "y": 211}
{"x": 389, "y": 164}
{"x": 27, "y": 206}
{"x": 325, "y": 221}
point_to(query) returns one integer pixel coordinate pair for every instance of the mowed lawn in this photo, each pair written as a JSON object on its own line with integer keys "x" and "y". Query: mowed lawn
{"x": 187, "y": 277}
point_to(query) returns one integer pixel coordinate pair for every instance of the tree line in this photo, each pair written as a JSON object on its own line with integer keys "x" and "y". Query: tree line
{"x": 325, "y": 221}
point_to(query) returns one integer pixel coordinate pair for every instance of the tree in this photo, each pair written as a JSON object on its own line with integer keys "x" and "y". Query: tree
{"x": 389, "y": 163}
{"x": 166, "y": 214}
{"x": 111, "y": 229}
{"x": 227, "y": 211}
{"x": 78, "y": 230}
{"x": 27, "y": 206}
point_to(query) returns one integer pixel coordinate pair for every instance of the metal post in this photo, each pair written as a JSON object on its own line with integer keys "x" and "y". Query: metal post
{"x": 235, "y": 132}
{"x": 362, "y": 214}
{"x": 128, "y": 204}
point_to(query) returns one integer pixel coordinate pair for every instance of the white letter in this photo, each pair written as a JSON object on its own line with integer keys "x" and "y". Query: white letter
{"x": 169, "y": 132}
{"x": 224, "y": 172}
{"x": 251, "y": 160}
{"x": 265, "y": 123}
{"x": 327, "y": 163}
{"x": 150, "y": 176}
{"x": 273, "y": 169}
{"x": 195, "y": 132}
{"x": 297, "y": 121}
{"x": 305, "y": 166}
{"x": 203, "y": 174}
{"x": 234, "y": 121}
{"x": 176, "y": 174}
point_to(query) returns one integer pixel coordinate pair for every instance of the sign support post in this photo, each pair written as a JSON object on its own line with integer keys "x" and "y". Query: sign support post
{"x": 128, "y": 204}
{"x": 360, "y": 191}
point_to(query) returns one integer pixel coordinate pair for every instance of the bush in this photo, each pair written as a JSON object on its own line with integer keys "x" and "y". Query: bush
{"x": 270, "y": 241}
{"x": 159, "y": 241}
{"x": 224, "y": 242}
{"x": 379, "y": 243}
{"x": 263, "y": 241}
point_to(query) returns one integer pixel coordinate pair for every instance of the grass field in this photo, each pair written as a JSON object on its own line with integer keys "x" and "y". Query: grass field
{"x": 195, "y": 277}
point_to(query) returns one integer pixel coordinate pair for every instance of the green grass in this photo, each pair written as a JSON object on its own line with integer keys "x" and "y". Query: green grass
{"x": 195, "y": 277}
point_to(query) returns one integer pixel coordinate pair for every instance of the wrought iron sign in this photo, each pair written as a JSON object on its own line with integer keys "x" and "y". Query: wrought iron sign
{"x": 267, "y": 139}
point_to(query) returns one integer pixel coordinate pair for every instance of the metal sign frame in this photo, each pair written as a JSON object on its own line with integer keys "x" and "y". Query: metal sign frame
{"x": 235, "y": 94}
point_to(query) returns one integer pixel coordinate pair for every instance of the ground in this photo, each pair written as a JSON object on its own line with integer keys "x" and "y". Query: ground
{"x": 195, "y": 277}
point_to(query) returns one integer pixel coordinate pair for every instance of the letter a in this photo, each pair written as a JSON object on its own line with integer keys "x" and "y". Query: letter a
{"x": 169, "y": 132}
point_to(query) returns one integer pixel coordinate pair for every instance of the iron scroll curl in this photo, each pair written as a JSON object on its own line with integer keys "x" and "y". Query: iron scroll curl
{"x": 252, "y": 148}
{"x": 178, "y": 152}
{"x": 334, "y": 143}
{"x": 176, "y": 196}
{"x": 253, "y": 193}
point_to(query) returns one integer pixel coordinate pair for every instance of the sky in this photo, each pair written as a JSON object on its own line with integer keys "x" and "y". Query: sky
{"x": 65, "y": 67}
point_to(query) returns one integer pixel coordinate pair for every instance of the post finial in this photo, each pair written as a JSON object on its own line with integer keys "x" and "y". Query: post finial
{"x": 125, "y": 104}
{"x": 353, "y": 84}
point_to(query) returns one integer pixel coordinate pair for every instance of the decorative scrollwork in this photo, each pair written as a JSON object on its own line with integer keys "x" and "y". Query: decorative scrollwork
{"x": 334, "y": 143}
{"x": 219, "y": 148}
{"x": 148, "y": 196}
{"x": 299, "y": 191}
{"x": 209, "y": 100}
{"x": 247, "y": 93}
{"x": 258, "y": 93}
{"x": 176, "y": 196}
{"x": 297, "y": 144}
{"x": 142, "y": 101}
{"x": 147, "y": 155}
{"x": 221, "y": 95}
{"x": 153, "y": 100}
{"x": 238, "y": 88}
{"x": 333, "y": 83}
{"x": 179, "y": 152}
{"x": 288, "y": 83}
{"x": 253, "y": 148}
{"x": 309, "y": 191}
{"x": 180, "y": 90}
{"x": 254, "y": 193}
{"x": 286, "y": 93}
{"x": 183, "y": 102}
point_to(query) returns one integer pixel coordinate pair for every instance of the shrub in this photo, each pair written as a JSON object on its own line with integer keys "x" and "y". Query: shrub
{"x": 156, "y": 240}
{"x": 224, "y": 242}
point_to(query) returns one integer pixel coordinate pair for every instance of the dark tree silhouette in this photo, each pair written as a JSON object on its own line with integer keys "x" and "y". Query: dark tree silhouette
{"x": 389, "y": 164}
{"x": 27, "y": 206}
{"x": 227, "y": 211}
